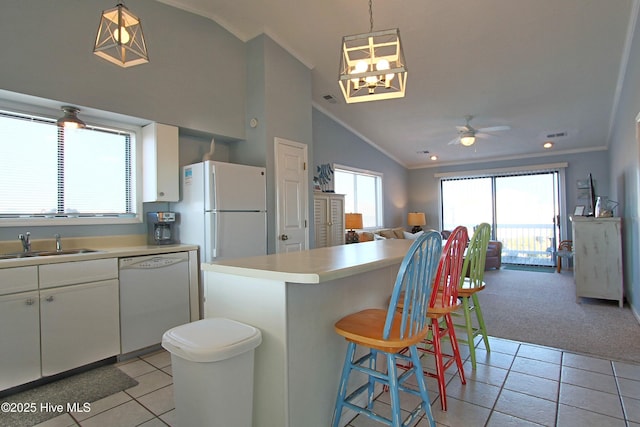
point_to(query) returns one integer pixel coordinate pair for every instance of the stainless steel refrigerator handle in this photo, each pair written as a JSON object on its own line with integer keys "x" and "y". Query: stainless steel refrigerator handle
{"x": 216, "y": 239}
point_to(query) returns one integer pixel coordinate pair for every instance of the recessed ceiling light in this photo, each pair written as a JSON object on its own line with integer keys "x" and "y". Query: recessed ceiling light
{"x": 433, "y": 157}
{"x": 547, "y": 144}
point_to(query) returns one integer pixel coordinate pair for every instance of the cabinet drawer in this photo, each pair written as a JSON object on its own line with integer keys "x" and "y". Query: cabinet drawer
{"x": 69, "y": 273}
{"x": 18, "y": 279}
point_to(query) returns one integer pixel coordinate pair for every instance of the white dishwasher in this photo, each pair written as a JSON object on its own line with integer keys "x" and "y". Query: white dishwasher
{"x": 154, "y": 297}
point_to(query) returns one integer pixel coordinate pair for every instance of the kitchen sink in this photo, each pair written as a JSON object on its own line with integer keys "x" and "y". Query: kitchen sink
{"x": 65, "y": 252}
{"x": 32, "y": 254}
{"x": 17, "y": 255}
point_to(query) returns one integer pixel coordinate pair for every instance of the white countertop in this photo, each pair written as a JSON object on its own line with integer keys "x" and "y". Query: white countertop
{"x": 317, "y": 265}
{"x": 106, "y": 252}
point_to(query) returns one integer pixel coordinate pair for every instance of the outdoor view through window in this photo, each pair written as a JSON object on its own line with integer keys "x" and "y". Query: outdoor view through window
{"x": 521, "y": 209}
{"x": 46, "y": 170}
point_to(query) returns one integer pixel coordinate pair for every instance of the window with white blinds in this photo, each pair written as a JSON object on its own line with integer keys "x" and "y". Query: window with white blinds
{"x": 52, "y": 172}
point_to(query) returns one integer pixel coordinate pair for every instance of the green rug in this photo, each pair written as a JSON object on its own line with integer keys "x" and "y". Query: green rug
{"x": 74, "y": 393}
{"x": 524, "y": 267}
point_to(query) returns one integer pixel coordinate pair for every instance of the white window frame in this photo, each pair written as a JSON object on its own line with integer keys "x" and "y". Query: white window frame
{"x": 23, "y": 104}
{"x": 379, "y": 195}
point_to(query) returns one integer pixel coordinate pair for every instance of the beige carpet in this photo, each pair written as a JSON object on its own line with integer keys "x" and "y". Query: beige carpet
{"x": 541, "y": 308}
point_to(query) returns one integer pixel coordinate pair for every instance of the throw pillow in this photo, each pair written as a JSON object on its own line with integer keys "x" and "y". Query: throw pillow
{"x": 365, "y": 236}
{"x": 388, "y": 234}
{"x": 412, "y": 236}
{"x": 399, "y": 232}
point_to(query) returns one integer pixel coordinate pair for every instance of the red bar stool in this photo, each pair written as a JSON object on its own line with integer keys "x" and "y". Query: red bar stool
{"x": 443, "y": 302}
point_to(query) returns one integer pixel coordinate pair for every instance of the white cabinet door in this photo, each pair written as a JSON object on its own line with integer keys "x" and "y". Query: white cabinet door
{"x": 19, "y": 338}
{"x": 328, "y": 219}
{"x": 336, "y": 213}
{"x": 79, "y": 325}
{"x": 160, "y": 163}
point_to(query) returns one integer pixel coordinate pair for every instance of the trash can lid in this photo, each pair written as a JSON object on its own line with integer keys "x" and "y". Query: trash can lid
{"x": 211, "y": 340}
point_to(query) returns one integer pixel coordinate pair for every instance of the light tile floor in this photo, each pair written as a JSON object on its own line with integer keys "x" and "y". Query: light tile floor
{"x": 515, "y": 384}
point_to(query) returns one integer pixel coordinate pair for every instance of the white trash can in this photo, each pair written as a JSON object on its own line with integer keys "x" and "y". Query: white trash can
{"x": 212, "y": 365}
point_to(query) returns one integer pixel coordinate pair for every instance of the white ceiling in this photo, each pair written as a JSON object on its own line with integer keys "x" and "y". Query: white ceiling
{"x": 539, "y": 66}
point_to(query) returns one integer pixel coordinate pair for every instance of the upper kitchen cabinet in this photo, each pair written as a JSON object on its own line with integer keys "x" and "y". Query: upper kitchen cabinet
{"x": 160, "y": 163}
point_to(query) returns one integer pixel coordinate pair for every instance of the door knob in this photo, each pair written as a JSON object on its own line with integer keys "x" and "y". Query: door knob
{"x": 284, "y": 237}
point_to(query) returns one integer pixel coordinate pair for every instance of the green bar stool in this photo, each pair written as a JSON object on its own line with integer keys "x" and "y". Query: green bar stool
{"x": 471, "y": 283}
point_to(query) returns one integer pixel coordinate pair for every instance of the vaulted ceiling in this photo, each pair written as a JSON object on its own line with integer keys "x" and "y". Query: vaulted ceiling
{"x": 548, "y": 69}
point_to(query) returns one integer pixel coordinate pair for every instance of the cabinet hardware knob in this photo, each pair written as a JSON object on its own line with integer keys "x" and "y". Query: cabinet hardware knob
{"x": 29, "y": 301}
{"x": 284, "y": 237}
{"x": 49, "y": 298}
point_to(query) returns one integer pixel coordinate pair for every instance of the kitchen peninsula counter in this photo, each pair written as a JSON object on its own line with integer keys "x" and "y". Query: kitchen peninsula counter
{"x": 295, "y": 299}
{"x": 317, "y": 265}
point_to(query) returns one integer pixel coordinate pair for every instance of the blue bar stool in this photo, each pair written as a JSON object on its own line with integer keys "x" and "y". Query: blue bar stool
{"x": 386, "y": 332}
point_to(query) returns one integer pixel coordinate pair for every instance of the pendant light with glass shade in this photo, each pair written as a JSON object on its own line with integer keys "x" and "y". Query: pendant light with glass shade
{"x": 372, "y": 65}
{"x": 120, "y": 39}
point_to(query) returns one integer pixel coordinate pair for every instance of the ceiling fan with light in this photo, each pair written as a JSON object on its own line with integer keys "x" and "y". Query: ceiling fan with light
{"x": 467, "y": 134}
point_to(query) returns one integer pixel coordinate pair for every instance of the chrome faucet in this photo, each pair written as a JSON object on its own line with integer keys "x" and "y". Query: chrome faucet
{"x": 26, "y": 242}
{"x": 58, "y": 242}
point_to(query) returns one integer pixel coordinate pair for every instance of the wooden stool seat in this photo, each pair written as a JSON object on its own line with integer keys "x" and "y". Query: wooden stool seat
{"x": 467, "y": 288}
{"x": 365, "y": 328}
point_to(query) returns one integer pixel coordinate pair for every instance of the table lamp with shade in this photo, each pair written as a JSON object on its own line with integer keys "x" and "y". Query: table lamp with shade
{"x": 416, "y": 220}
{"x": 352, "y": 221}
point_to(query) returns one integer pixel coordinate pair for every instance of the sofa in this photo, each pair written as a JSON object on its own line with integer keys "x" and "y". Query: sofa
{"x": 494, "y": 252}
{"x": 494, "y": 248}
{"x": 494, "y": 255}
{"x": 385, "y": 233}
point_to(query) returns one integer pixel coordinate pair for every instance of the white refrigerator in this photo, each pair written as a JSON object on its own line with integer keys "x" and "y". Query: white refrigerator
{"x": 223, "y": 210}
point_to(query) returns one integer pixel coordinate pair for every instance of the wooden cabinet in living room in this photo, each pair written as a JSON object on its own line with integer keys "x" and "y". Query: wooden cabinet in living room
{"x": 597, "y": 258}
{"x": 328, "y": 219}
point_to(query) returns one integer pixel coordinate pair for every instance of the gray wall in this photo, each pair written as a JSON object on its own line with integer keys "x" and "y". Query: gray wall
{"x": 333, "y": 143}
{"x": 279, "y": 96}
{"x": 195, "y": 78}
{"x": 624, "y": 172}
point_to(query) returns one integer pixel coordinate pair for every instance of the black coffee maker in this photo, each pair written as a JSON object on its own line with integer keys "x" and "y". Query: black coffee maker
{"x": 160, "y": 226}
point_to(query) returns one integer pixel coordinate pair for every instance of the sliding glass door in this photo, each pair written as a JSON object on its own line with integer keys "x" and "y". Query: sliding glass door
{"x": 467, "y": 202}
{"x": 520, "y": 208}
